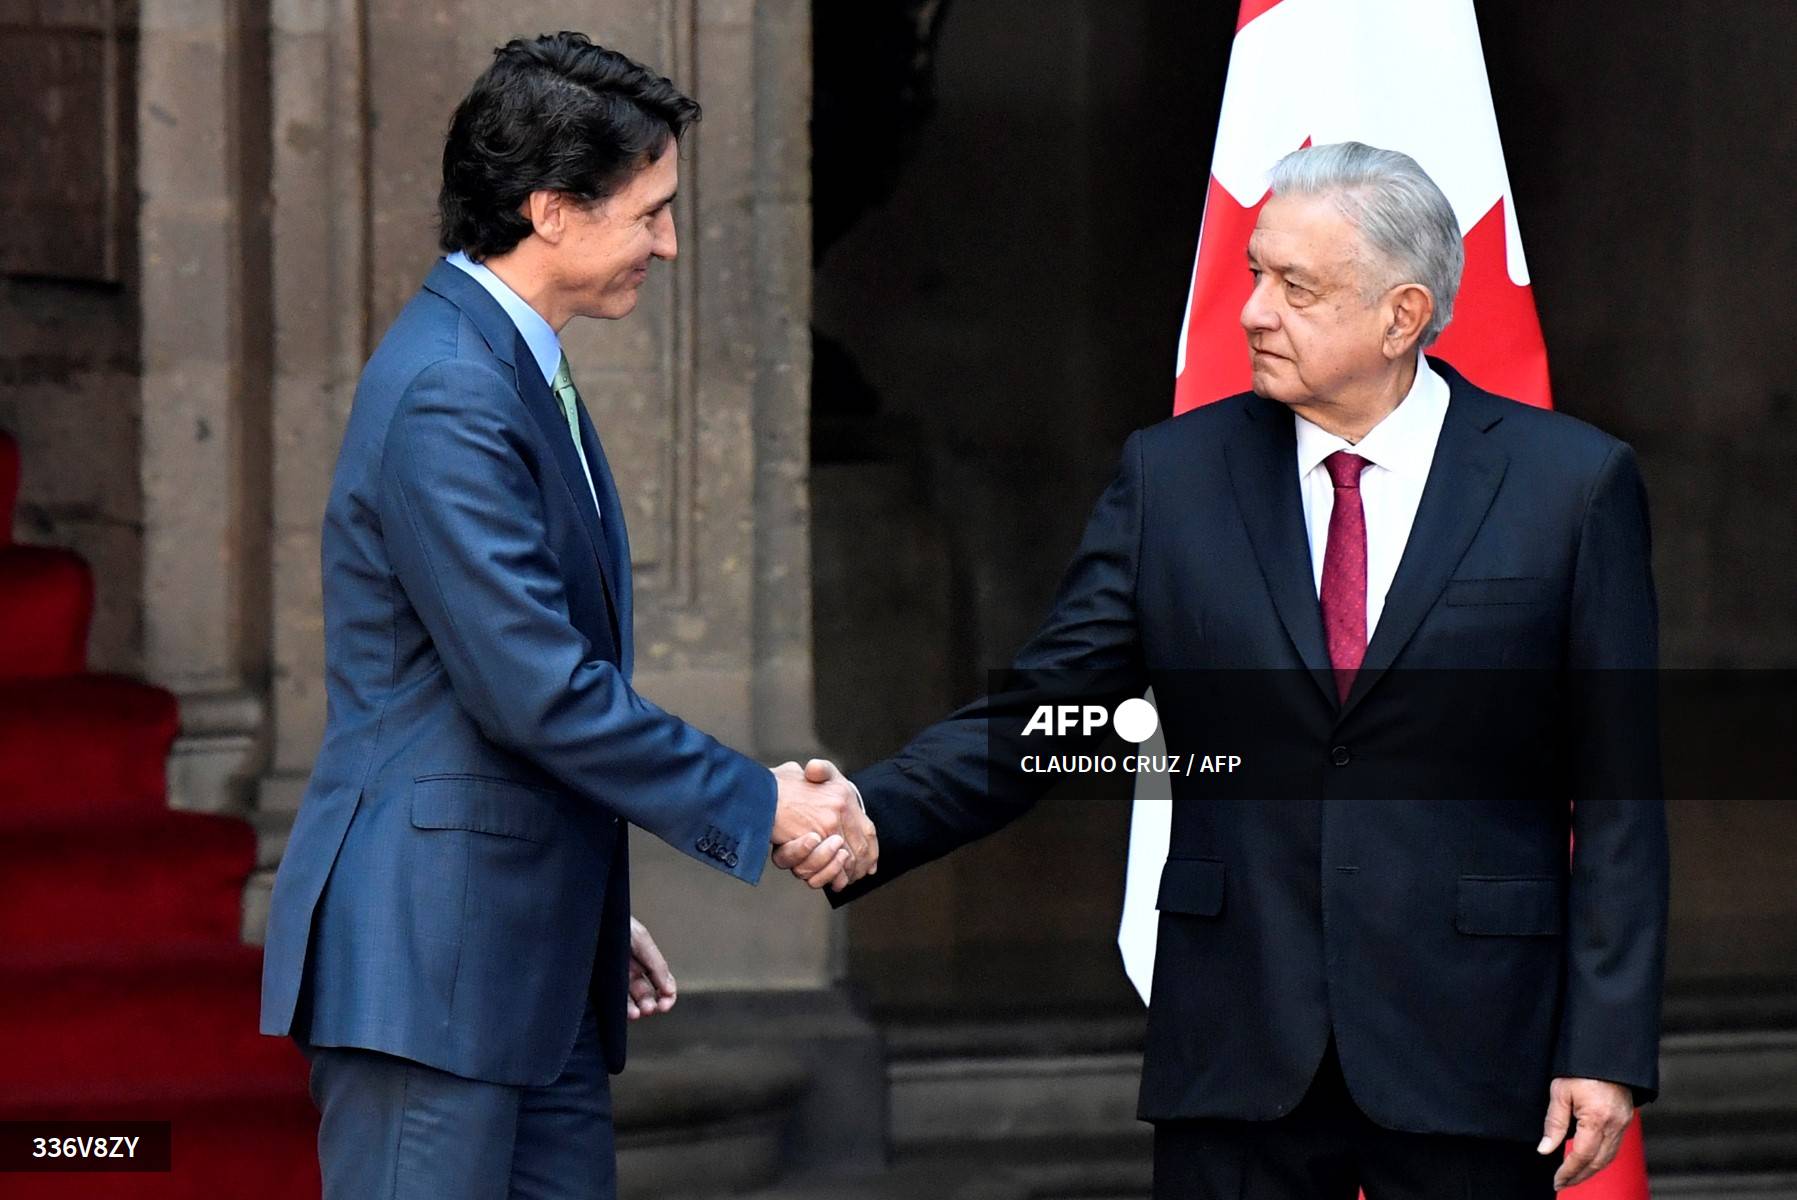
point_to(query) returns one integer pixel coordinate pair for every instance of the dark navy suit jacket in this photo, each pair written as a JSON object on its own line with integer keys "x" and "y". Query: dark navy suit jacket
{"x": 457, "y": 884}
{"x": 1392, "y": 871}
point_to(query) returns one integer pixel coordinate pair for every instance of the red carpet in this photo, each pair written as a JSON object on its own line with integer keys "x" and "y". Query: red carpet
{"x": 124, "y": 990}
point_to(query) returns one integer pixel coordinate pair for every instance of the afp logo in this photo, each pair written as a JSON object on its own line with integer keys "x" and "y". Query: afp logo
{"x": 1134, "y": 721}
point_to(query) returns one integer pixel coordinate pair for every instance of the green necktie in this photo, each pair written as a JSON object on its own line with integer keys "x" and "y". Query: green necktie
{"x": 564, "y": 391}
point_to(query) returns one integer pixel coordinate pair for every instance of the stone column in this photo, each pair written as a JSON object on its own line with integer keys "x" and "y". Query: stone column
{"x": 320, "y": 309}
{"x": 204, "y": 450}
{"x": 782, "y": 697}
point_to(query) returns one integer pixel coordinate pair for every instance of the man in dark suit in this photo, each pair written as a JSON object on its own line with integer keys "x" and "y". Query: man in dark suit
{"x": 450, "y": 938}
{"x": 1424, "y": 616}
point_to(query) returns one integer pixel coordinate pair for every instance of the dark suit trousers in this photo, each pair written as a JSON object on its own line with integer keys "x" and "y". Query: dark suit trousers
{"x": 393, "y": 1129}
{"x": 1326, "y": 1149}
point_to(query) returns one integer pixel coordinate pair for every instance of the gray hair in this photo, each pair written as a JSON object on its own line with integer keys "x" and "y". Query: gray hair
{"x": 1400, "y": 213}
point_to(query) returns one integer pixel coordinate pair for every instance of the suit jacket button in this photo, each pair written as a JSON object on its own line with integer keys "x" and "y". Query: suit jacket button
{"x": 1340, "y": 756}
{"x": 730, "y": 859}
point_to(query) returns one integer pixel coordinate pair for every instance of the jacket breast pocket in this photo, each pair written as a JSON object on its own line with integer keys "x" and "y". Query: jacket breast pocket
{"x": 1193, "y": 886}
{"x": 483, "y": 805}
{"x": 1469, "y": 592}
{"x": 1509, "y": 905}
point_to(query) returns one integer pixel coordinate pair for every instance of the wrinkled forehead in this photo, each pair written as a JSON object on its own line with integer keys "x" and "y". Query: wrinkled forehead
{"x": 1305, "y": 232}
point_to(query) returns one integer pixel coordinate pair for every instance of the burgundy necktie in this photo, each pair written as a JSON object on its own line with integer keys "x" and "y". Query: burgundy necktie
{"x": 1344, "y": 571}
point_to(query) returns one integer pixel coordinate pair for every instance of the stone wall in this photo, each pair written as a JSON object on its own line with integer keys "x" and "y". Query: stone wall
{"x": 1013, "y": 308}
{"x": 69, "y": 393}
{"x": 1652, "y": 161}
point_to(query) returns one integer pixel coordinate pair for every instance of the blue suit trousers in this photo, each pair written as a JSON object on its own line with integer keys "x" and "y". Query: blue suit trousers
{"x": 394, "y": 1129}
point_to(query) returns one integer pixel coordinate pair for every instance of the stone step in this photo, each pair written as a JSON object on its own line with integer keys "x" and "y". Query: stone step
{"x": 1050, "y": 1179}
{"x": 967, "y": 1177}
{"x": 116, "y": 887}
{"x": 46, "y": 603}
{"x": 1728, "y": 1102}
{"x": 83, "y": 751}
{"x": 1731, "y": 1005}
{"x": 225, "y": 1147}
{"x": 144, "y": 1026}
{"x": 936, "y": 1104}
{"x": 838, "y": 1120}
{"x": 705, "y": 1123}
{"x": 1722, "y": 1186}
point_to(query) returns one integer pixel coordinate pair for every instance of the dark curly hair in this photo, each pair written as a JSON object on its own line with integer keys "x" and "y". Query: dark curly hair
{"x": 554, "y": 113}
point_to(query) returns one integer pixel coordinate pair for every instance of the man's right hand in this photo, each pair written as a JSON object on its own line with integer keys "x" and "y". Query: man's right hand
{"x": 818, "y": 816}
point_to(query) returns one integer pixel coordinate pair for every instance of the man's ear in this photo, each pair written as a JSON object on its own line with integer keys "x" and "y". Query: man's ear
{"x": 547, "y": 212}
{"x": 1408, "y": 308}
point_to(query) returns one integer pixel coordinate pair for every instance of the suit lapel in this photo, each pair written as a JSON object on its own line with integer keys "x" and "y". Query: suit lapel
{"x": 1463, "y": 481}
{"x": 1263, "y": 471}
{"x": 546, "y": 410}
{"x": 508, "y": 346}
{"x": 617, "y": 541}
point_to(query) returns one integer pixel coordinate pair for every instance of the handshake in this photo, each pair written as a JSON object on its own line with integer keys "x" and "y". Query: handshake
{"x": 821, "y": 832}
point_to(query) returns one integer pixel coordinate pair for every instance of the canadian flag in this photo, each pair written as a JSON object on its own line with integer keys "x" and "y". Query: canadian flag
{"x": 1404, "y": 75}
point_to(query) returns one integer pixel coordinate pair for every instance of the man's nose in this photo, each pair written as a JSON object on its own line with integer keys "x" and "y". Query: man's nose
{"x": 1258, "y": 315}
{"x": 667, "y": 242}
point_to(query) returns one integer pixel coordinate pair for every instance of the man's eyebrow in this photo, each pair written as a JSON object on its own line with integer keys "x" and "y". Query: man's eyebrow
{"x": 1297, "y": 275}
{"x": 664, "y": 202}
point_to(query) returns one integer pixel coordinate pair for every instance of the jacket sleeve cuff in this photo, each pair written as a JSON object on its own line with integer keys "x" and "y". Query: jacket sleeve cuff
{"x": 736, "y": 841}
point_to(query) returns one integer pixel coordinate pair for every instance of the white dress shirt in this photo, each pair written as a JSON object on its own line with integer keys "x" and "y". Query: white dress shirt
{"x": 538, "y": 335}
{"x": 1400, "y": 448}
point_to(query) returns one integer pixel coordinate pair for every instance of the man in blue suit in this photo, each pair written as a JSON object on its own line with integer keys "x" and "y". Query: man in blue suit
{"x": 450, "y": 937}
{"x": 1424, "y": 618}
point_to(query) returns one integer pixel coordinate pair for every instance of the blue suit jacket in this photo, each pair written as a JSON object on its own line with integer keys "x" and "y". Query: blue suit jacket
{"x": 1393, "y": 870}
{"x": 456, "y": 883}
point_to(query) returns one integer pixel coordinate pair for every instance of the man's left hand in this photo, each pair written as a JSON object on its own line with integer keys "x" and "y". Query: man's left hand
{"x": 651, "y": 983}
{"x": 1603, "y": 1111}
